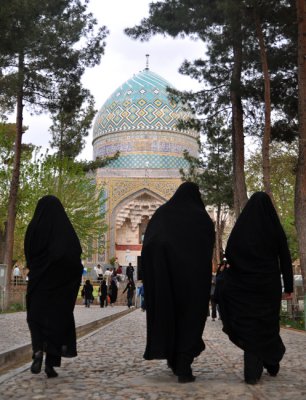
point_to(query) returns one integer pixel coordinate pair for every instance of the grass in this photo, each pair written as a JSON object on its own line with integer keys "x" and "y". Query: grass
{"x": 15, "y": 307}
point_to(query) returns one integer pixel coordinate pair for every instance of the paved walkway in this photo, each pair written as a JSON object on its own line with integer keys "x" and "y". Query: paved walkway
{"x": 110, "y": 367}
{"x": 14, "y": 331}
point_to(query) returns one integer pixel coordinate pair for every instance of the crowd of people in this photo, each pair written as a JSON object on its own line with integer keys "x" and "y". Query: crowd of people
{"x": 178, "y": 284}
{"x": 109, "y": 282}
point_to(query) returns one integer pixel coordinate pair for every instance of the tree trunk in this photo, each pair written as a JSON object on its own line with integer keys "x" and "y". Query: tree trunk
{"x": 300, "y": 188}
{"x": 12, "y": 205}
{"x": 240, "y": 192}
{"x": 218, "y": 235}
{"x": 266, "y": 167}
{"x": 60, "y": 172}
{"x": 2, "y": 243}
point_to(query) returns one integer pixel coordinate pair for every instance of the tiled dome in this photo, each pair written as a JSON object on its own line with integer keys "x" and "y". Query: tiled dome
{"x": 140, "y": 121}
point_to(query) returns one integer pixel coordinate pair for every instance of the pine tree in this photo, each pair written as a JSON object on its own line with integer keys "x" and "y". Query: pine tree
{"x": 40, "y": 50}
{"x": 72, "y": 121}
{"x": 300, "y": 189}
{"x": 232, "y": 73}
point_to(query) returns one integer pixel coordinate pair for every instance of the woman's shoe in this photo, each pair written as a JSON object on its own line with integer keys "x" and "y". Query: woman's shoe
{"x": 253, "y": 367}
{"x": 272, "y": 369}
{"x": 171, "y": 366}
{"x": 37, "y": 362}
{"x": 186, "y": 378}
{"x": 50, "y": 371}
{"x": 251, "y": 381}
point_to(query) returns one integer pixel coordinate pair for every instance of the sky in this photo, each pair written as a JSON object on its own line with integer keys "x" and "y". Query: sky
{"x": 123, "y": 58}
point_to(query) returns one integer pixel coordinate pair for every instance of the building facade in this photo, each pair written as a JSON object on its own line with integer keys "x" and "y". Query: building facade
{"x": 140, "y": 121}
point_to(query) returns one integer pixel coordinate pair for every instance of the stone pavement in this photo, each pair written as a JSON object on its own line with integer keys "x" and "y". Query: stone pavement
{"x": 14, "y": 329}
{"x": 110, "y": 367}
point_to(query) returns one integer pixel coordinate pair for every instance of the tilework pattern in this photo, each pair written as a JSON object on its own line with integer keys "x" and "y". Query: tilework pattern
{"x": 140, "y": 103}
{"x": 140, "y": 121}
{"x": 149, "y": 160}
{"x": 162, "y": 143}
{"x": 123, "y": 190}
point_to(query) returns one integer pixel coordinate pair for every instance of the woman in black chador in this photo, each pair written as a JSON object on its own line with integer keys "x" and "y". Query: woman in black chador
{"x": 103, "y": 293}
{"x": 87, "y": 293}
{"x": 113, "y": 291}
{"x": 251, "y": 292}
{"x": 178, "y": 246}
{"x": 52, "y": 251}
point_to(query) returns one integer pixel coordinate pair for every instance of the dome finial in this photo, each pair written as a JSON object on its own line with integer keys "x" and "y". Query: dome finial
{"x": 147, "y": 62}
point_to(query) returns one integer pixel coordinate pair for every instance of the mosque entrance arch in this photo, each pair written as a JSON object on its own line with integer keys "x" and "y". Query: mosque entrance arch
{"x": 129, "y": 221}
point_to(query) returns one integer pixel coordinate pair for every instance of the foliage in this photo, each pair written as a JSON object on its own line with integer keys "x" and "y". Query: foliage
{"x": 76, "y": 190}
{"x": 230, "y": 71}
{"x": 7, "y": 137}
{"x": 213, "y": 170}
{"x": 112, "y": 261}
{"x": 6, "y": 143}
{"x": 16, "y": 307}
{"x": 88, "y": 166}
{"x": 44, "y": 48}
{"x": 71, "y": 124}
{"x": 296, "y": 322}
{"x": 215, "y": 23}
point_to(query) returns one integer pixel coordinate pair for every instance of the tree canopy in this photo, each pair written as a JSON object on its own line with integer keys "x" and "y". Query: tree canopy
{"x": 39, "y": 176}
{"x": 248, "y": 64}
{"x": 45, "y": 47}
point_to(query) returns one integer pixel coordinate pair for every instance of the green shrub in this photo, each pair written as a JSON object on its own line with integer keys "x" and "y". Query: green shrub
{"x": 296, "y": 321}
{"x": 15, "y": 307}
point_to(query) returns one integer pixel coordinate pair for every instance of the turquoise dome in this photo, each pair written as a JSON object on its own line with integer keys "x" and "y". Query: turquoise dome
{"x": 140, "y": 121}
{"x": 140, "y": 103}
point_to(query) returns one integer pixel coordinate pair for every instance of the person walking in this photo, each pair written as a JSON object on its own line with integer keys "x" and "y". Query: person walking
{"x": 107, "y": 276}
{"x": 99, "y": 272}
{"x": 53, "y": 256}
{"x": 130, "y": 272}
{"x": 178, "y": 246}
{"x": 141, "y": 295}
{"x": 250, "y": 294}
{"x": 212, "y": 299}
{"x": 16, "y": 275}
{"x": 103, "y": 293}
{"x": 119, "y": 274}
{"x": 113, "y": 291}
{"x": 87, "y": 293}
{"x": 130, "y": 289}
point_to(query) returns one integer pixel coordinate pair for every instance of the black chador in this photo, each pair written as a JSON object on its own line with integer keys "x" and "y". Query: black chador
{"x": 52, "y": 251}
{"x": 250, "y": 295}
{"x": 177, "y": 267}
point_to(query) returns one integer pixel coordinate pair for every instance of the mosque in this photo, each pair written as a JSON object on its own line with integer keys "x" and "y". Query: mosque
{"x": 141, "y": 122}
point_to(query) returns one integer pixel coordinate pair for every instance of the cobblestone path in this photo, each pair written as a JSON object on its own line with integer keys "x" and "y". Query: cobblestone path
{"x": 110, "y": 367}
